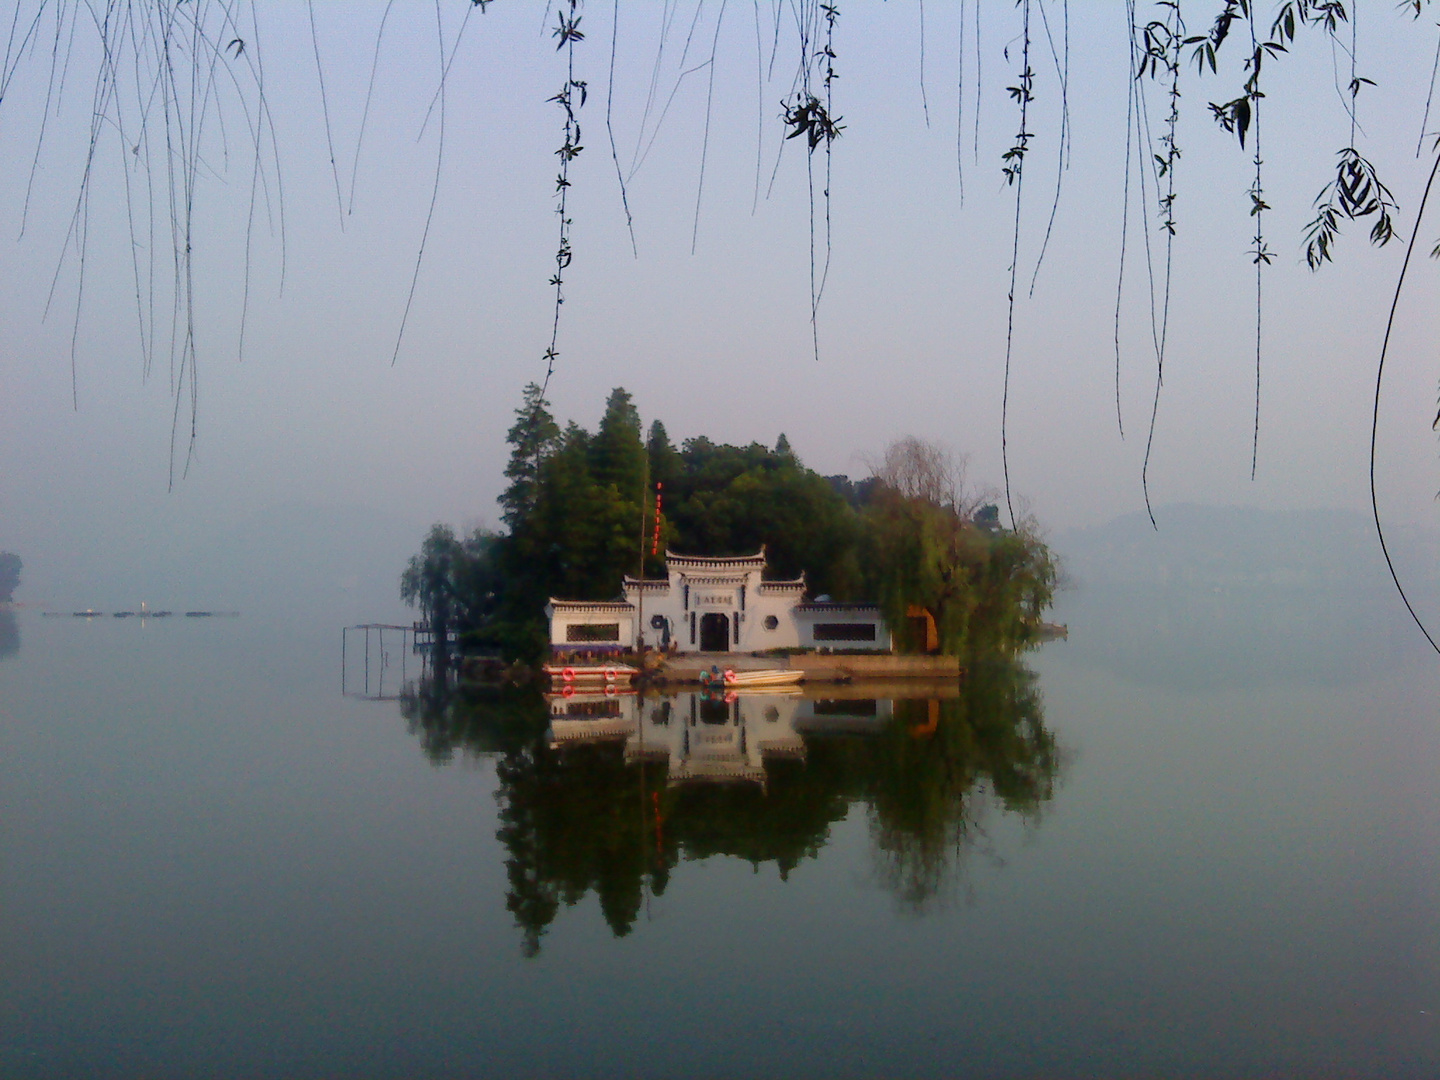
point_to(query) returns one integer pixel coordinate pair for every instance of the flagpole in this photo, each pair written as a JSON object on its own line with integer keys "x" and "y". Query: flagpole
{"x": 640, "y": 586}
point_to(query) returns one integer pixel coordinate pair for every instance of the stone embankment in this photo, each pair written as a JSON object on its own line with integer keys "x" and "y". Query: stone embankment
{"x": 818, "y": 667}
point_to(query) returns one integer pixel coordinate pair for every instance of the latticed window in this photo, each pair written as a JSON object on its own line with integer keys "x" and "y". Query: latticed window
{"x": 579, "y": 633}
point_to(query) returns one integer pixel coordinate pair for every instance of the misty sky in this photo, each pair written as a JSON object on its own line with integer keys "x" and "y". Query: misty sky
{"x": 911, "y": 326}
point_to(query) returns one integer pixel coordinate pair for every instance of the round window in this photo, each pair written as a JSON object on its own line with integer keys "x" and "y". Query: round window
{"x": 771, "y": 622}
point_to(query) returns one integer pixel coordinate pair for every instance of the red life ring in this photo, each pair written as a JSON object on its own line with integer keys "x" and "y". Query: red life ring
{"x": 609, "y": 674}
{"x": 729, "y": 675}
{"x": 568, "y": 674}
{"x": 568, "y": 692}
{"x": 611, "y": 691}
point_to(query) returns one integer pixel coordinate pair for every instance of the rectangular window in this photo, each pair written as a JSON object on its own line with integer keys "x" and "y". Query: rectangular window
{"x": 737, "y": 627}
{"x": 845, "y": 631}
{"x": 579, "y": 633}
{"x": 692, "y": 628}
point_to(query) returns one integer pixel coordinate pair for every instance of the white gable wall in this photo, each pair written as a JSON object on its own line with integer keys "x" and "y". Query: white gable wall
{"x": 718, "y": 605}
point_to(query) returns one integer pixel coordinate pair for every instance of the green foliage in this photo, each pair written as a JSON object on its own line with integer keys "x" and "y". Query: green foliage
{"x": 984, "y": 588}
{"x": 731, "y": 500}
{"x": 456, "y": 584}
{"x": 617, "y": 454}
{"x": 532, "y": 439}
{"x": 574, "y": 509}
{"x": 10, "y": 566}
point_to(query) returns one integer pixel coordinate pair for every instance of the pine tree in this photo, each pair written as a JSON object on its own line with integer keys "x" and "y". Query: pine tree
{"x": 617, "y": 455}
{"x": 532, "y": 439}
{"x": 665, "y": 463}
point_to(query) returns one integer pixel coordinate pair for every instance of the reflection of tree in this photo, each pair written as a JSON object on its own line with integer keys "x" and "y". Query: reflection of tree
{"x": 9, "y": 634}
{"x": 785, "y": 822}
{"x": 582, "y": 818}
{"x": 926, "y": 788}
{"x": 573, "y": 821}
{"x": 447, "y": 715}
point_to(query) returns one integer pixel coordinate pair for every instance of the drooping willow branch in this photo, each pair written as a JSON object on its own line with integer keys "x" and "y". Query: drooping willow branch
{"x": 807, "y": 114}
{"x": 1160, "y": 57}
{"x": 568, "y": 32}
{"x": 1013, "y": 170}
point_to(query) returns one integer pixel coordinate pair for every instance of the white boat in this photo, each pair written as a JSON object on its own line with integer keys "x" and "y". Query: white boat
{"x": 741, "y": 680}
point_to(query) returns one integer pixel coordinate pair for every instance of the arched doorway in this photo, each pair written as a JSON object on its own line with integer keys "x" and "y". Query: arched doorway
{"x": 714, "y": 632}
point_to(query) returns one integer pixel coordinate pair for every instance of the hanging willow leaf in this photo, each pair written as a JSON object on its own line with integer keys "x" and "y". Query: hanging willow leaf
{"x": 1356, "y": 192}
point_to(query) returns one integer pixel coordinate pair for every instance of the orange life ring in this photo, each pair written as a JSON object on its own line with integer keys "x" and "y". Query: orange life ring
{"x": 610, "y": 691}
{"x": 568, "y": 674}
{"x": 609, "y": 674}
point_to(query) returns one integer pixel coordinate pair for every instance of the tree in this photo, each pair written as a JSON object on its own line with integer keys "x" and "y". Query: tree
{"x": 429, "y": 583}
{"x": 532, "y": 439}
{"x": 10, "y": 567}
{"x": 617, "y": 454}
{"x": 665, "y": 463}
{"x": 926, "y": 553}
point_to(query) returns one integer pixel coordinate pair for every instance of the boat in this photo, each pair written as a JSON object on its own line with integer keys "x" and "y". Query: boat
{"x": 742, "y": 680}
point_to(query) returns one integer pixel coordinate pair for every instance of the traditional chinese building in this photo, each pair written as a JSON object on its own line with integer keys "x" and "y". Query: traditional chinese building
{"x": 714, "y": 605}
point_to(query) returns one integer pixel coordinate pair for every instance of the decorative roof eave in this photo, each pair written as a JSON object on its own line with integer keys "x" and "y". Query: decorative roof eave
{"x": 576, "y": 607}
{"x": 731, "y": 580}
{"x": 648, "y": 584}
{"x": 831, "y": 605}
{"x": 722, "y": 562}
{"x": 798, "y": 584}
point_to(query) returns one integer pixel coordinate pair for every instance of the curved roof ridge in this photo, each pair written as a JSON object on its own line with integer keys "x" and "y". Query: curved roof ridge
{"x": 716, "y": 560}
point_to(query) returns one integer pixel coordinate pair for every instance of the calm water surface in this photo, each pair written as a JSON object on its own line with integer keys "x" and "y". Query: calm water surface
{"x": 1198, "y": 838}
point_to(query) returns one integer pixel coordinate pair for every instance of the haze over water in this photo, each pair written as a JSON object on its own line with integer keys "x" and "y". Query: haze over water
{"x": 214, "y": 862}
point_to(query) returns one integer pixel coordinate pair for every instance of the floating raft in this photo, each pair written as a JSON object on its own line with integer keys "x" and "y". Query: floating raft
{"x": 591, "y": 675}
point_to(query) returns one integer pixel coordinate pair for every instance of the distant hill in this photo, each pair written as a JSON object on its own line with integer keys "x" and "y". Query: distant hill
{"x": 10, "y": 566}
{"x": 1244, "y": 597}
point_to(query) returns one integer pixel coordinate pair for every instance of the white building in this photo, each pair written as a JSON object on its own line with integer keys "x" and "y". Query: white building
{"x": 714, "y": 605}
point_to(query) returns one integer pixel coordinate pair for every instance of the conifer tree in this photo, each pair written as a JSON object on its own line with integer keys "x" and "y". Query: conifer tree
{"x": 532, "y": 439}
{"x": 617, "y": 454}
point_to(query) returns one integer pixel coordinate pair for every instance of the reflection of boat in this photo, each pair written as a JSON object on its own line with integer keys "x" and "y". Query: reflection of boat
{"x": 740, "y": 680}
{"x": 591, "y": 676}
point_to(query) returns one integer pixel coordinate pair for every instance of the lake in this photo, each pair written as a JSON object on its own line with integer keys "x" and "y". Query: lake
{"x": 1200, "y": 837}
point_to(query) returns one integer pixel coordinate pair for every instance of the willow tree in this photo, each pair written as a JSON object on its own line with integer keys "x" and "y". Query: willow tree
{"x": 928, "y": 554}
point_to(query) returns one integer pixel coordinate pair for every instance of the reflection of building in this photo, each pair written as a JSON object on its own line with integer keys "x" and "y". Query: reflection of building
{"x": 700, "y": 736}
{"x": 715, "y": 605}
